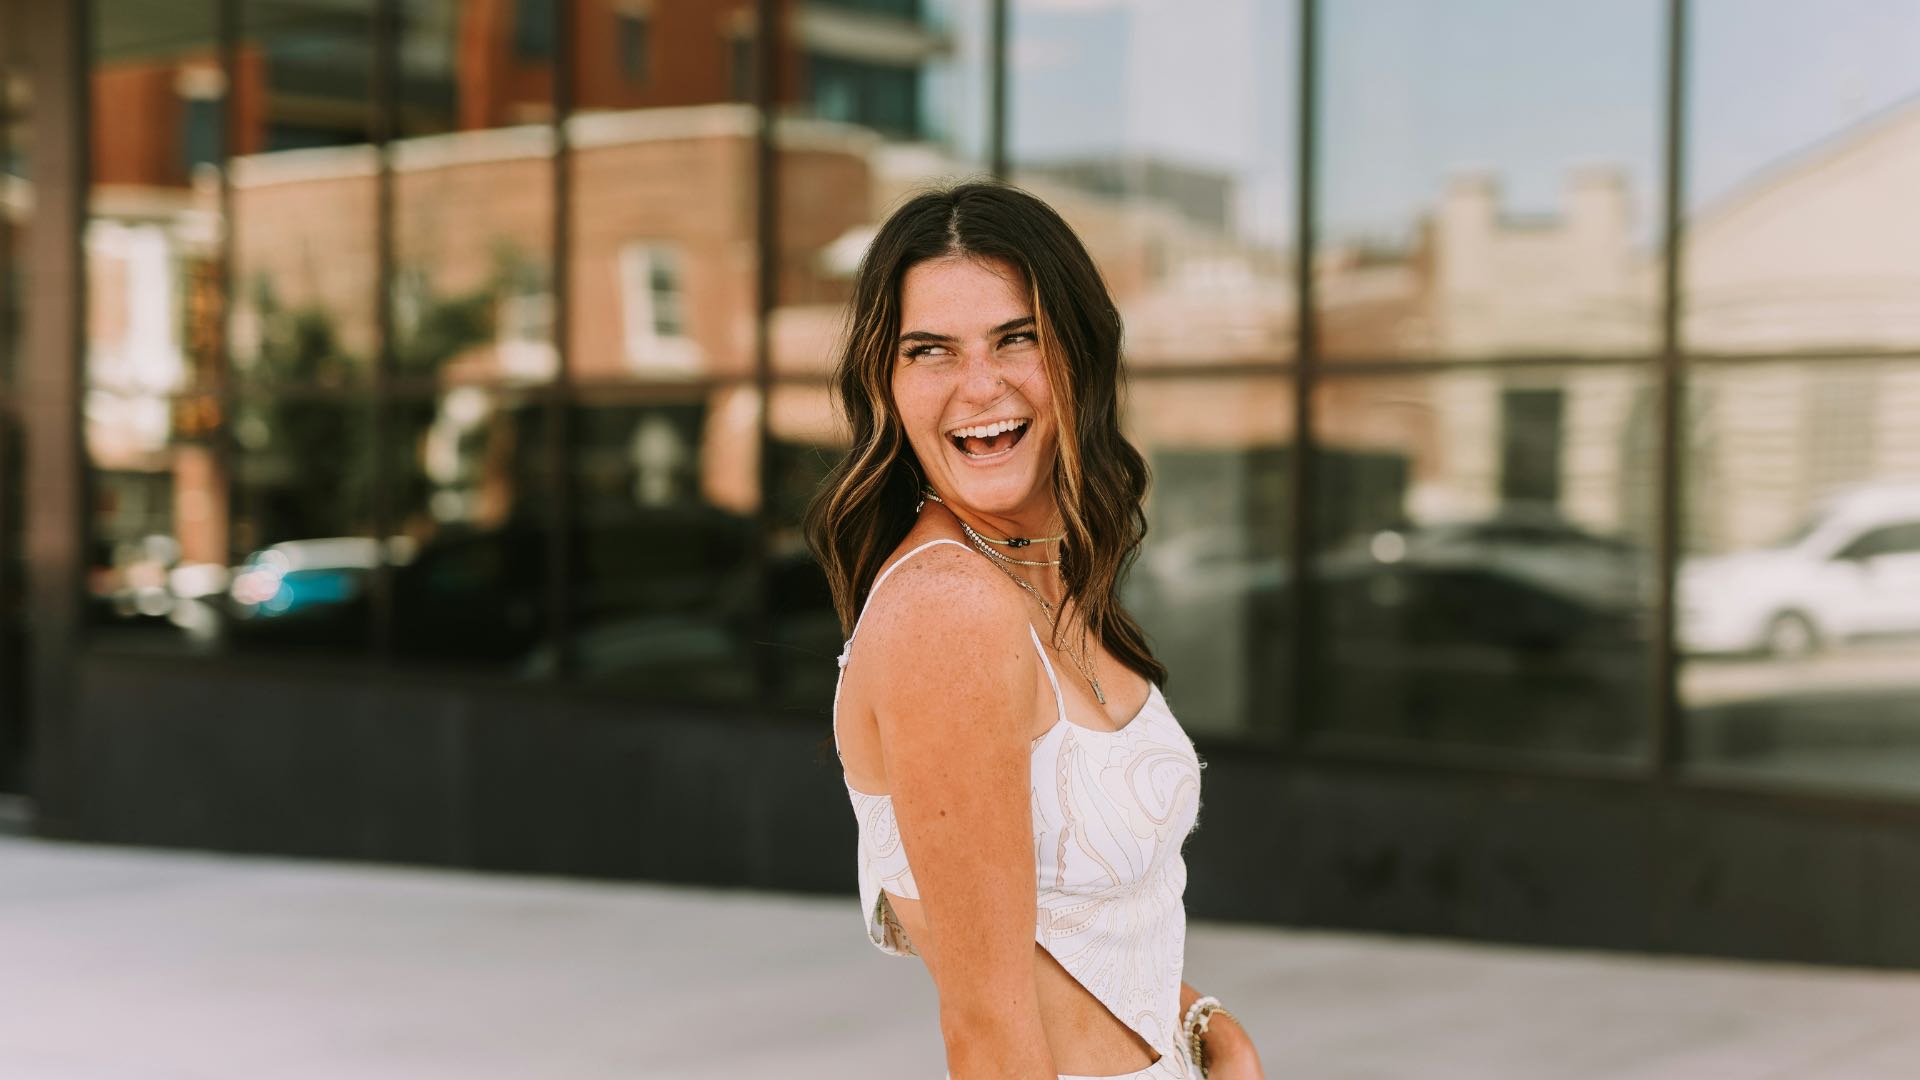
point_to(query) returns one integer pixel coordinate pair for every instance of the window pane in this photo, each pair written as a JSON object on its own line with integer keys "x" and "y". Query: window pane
{"x": 1209, "y": 586}
{"x": 1165, "y": 134}
{"x": 471, "y": 586}
{"x": 890, "y": 97}
{"x": 303, "y": 539}
{"x": 473, "y": 202}
{"x": 1803, "y": 156}
{"x": 159, "y": 552}
{"x": 663, "y": 206}
{"x": 665, "y": 488}
{"x": 1800, "y": 595}
{"x": 1483, "y": 575}
{"x": 305, "y": 232}
{"x": 1488, "y": 177}
{"x": 152, "y": 241}
{"x": 807, "y": 438}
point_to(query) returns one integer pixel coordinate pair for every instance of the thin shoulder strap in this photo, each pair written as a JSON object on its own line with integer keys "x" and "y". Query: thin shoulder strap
{"x": 878, "y": 581}
{"x": 1059, "y": 702}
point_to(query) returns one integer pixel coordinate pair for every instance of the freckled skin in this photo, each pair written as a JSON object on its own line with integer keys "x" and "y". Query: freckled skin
{"x": 980, "y": 377}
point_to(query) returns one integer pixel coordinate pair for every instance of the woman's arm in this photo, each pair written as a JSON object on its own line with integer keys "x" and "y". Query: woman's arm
{"x": 1229, "y": 1049}
{"x": 953, "y": 708}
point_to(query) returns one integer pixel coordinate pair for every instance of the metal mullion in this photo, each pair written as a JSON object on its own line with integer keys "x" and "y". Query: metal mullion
{"x": 766, "y": 158}
{"x": 1522, "y": 362}
{"x": 8, "y": 673}
{"x": 1667, "y": 732}
{"x": 997, "y": 33}
{"x": 385, "y": 117}
{"x": 559, "y": 406}
{"x": 57, "y": 487}
{"x": 7, "y": 365}
{"x": 225, "y": 449}
{"x": 1301, "y": 646}
{"x": 1839, "y": 356}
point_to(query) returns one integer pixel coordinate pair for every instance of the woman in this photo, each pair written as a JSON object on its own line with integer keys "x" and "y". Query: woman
{"x": 1022, "y": 788}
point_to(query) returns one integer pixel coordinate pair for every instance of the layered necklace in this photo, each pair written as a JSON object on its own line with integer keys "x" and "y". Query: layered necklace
{"x": 1082, "y": 657}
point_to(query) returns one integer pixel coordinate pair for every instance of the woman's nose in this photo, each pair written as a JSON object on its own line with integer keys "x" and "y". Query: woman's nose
{"x": 981, "y": 375}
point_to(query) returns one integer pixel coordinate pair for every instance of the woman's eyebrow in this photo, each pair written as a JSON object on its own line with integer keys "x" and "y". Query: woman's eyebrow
{"x": 928, "y": 335}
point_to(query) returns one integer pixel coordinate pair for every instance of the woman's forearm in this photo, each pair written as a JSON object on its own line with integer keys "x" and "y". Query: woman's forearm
{"x": 1225, "y": 1038}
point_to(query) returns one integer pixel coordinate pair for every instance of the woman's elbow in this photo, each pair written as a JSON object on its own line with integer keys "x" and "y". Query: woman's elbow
{"x": 1003, "y": 1039}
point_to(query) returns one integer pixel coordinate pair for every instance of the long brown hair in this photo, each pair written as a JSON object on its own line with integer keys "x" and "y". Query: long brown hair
{"x": 867, "y": 504}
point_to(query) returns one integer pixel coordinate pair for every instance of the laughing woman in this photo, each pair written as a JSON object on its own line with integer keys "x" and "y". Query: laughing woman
{"x": 1021, "y": 787}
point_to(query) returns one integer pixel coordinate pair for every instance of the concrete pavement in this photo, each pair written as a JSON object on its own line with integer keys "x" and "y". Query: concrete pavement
{"x": 122, "y": 964}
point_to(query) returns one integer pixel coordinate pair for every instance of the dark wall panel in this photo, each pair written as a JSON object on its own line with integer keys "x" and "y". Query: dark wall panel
{"x": 512, "y": 779}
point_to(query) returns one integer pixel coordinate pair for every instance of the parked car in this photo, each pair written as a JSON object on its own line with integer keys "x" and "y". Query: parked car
{"x": 1851, "y": 570}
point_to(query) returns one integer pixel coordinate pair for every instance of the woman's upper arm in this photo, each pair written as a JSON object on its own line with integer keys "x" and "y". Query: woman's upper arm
{"x": 953, "y": 713}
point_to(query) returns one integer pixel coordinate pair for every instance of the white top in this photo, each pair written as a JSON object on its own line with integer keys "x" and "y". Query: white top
{"x": 1111, "y": 810}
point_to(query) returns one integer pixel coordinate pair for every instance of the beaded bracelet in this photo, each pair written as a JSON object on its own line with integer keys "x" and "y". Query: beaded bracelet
{"x": 1194, "y": 1024}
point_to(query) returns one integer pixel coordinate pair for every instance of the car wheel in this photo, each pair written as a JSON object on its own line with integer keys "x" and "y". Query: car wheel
{"x": 1791, "y": 636}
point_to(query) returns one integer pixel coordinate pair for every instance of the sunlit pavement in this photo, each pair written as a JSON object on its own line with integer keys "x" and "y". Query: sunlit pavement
{"x": 125, "y": 965}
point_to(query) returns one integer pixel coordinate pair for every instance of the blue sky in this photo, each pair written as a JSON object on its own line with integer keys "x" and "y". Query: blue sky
{"x": 1414, "y": 91}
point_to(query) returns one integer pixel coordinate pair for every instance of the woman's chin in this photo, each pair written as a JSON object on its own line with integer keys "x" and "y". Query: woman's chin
{"x": 997, "y": 495}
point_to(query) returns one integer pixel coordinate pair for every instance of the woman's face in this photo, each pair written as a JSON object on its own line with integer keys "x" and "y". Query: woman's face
{"x": 971, "y": 389}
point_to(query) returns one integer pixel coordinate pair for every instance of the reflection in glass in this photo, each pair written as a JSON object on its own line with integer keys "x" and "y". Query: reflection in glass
{"x": 158, "y": 552}
{"x": 1800, "y": 595}
{"x": 1164, "y": 133}
{"x": 1508, "y": 207}
{"x": 1209, "y": 587}
{"x": 806, "y": 440}
{"x": 665, "y": 490}
{"x": 1483, "y": 574}
{"x": 871, "y": 125}
{"x": 302, "y": 527}
{"x": 473, "y": 204}
{"x": 471, "y": 521}
{"x": 1803, "y": 156}
{"x": 152, "y": 242}
{"x": 662, "y": 273}
{"x": 304, "y": 198}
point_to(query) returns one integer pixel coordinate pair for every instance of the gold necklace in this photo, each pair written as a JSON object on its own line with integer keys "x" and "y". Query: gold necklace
{"x": 1081, "y": 657}
{"x": 1012, "y": 541}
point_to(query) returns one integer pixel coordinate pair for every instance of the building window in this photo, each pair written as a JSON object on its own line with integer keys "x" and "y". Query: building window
{"x": 883, "y": 97}
{"x": 1531, "y": 437}
{"x": 200, "y": 132}
{"x": 740, "y": 61}
{"x": 634, "y": 44}
{"x": 652, "y": 307}
{"x": 533, "y": 29}
{"x": 523, "y": 327}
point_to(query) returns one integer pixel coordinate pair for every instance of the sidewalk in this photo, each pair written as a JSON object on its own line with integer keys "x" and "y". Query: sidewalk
{"x": 134, "y": 965}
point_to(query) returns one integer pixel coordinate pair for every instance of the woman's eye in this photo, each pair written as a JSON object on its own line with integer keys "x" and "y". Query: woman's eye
{"x": 917, "y": 352}
{"x": 1024, "y": 337}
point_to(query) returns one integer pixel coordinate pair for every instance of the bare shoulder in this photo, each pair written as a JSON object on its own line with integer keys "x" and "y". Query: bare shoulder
{"x": 948, "y": 630}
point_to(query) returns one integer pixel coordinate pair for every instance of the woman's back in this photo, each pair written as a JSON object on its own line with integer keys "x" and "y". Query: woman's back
{"x": 1109, "y": 804}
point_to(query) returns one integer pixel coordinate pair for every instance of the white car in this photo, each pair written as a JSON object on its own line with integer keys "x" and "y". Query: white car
{"x": 1852, "y": 570}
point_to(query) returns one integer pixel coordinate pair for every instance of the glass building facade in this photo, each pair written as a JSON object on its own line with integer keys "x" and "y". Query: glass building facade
{"x": 1532, "y": 393}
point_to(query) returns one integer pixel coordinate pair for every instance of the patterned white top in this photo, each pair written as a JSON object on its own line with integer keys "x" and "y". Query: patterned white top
{"x": 1111, "y": 810}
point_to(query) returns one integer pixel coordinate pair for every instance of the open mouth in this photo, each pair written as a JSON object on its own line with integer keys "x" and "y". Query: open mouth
{"x": 989, "y": 440}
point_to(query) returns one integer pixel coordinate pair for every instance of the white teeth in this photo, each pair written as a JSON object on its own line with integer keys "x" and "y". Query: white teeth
{"x": 987, "y": 431}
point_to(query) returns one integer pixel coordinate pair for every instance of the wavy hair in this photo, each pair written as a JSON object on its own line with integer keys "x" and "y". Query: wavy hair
{"x": 866, "y": 505}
